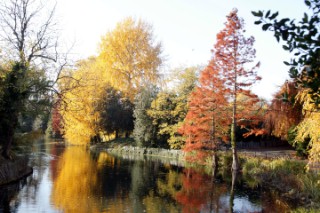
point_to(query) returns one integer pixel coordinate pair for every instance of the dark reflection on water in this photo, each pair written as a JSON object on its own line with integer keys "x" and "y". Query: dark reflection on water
{"x": 73, "y": 180}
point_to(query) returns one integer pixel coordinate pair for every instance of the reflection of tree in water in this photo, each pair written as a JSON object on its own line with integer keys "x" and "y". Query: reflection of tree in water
{"x": 198, "y": 193}
{"x": 9, "y": 201}
{"x": 163, "y": 199}
{"x": 38, "y": 160}
{"x": 143, "y": 178}
{"x": 75, "y": 188}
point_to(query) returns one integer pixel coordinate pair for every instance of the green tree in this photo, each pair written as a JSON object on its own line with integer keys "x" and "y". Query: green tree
{"x": 301, "y": 38}
{"x": 169, "y": 109}
{"x": 144, "y": 132}
{"x": 116, "y": 113}
{"x": 161, "y": 113}
{"x": 27, "y": 42}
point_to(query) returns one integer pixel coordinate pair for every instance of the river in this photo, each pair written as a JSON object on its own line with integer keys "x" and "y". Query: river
{"x": 73, "y": 179}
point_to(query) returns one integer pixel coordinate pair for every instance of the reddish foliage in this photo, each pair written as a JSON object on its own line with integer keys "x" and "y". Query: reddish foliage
{"x": 284, "y": 112}
{"x": 235, "y": 56}
{"x": 223, "y": 97}
{"x": 207, "y": 122}
{"x": 194, "y": 192}
{"x": 57, "y": 124}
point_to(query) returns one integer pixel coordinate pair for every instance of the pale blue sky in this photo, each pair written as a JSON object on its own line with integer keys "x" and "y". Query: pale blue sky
{"x": 186, "y": 28}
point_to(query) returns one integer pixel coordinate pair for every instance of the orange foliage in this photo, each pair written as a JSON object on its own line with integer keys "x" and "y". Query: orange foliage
{"x": 206, "y": 123}
{"x": 284, "y": 112}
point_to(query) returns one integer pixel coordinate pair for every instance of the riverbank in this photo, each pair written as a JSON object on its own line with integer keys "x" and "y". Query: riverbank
{"x": 13, "y": 170}
{"x": 126, "y": 151}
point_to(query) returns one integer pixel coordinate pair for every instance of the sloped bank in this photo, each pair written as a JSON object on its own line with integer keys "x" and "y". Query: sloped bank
{"x": 14, "y": 170}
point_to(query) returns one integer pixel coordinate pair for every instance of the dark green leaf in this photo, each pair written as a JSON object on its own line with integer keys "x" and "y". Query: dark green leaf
{"x": 285, "y": 35}
{"x": 266, "y": 26}
{"x": 274, "y": 15}
{"x": 307, "y": 3}
{"x": 286, "y": 63}
{"x": 267, "y": 14}
{"x": 283, "y": 21}
{"x": 285, "y": 47}
{"x": 257, "y": 22}
{"x": 257, "y": 14}
{"x": 305, "y": 18}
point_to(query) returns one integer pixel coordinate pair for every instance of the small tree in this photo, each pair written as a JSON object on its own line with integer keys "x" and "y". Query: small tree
{"x": 206, "y": 124}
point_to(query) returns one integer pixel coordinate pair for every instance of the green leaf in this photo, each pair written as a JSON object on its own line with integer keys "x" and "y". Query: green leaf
{"x": 257, "y": 22}
{"x": 286, "y": 63}
{"x": 307, "y": 3}
{"x": 273, "y": 16}
{"x": 255, "y": 13}
{"x": 266, "y": 26}
{"x": 285, "y": 34}
{"x": 267, "y": 14}
{"x": 305, "y": 18}
{"x": 285, "y": 47}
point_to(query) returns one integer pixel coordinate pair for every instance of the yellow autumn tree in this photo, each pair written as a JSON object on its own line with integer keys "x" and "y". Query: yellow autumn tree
{"x": 130, "y": 56}
{"x": 78, "y": 108}
{"x": 308, "y": 128}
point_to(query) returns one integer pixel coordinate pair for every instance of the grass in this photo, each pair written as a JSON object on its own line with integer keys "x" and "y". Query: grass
{"x": 288, "y": 177}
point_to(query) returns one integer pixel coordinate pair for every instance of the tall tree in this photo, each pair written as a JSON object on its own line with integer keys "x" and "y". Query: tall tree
{"x": 303, "y": 40}
{"x": 130, "y": 56}
{"x": 79, "y": 104}
{"x": 144, "y": 132}
{"x": 28, "y": 39}
{"x": 206, "y": 123}
{"x": 234, "y": 53}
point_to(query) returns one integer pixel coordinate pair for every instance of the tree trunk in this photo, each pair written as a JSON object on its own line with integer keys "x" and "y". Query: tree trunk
{"x": 7, "y": 139}
{"x": 214, "y": 164}
{"x": 234, "y": 179}
{"x": 235, "y": 161}
{"x": 117, "y": 134}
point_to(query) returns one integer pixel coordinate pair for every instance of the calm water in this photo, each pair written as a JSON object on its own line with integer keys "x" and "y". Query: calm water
{"x": 72, "y": 179}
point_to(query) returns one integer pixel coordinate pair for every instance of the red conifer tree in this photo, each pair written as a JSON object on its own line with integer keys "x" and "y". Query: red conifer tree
{"x": 234, "y": 54}
{"x": 206, "y": 123}
{"x": 223, "y": 98}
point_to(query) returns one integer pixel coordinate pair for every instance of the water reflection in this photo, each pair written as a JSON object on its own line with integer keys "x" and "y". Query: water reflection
{"x": 74, "y": 180}
{"x": 75, "y": 188}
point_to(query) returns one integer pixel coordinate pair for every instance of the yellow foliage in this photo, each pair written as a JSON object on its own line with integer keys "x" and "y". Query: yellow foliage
{"x": 78, "y": 107}
{"x": 76, "y": 181}
{"x": 128, "y": 59}
{"x": 309, "y": 128}
{"x": 130, "y": 56}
